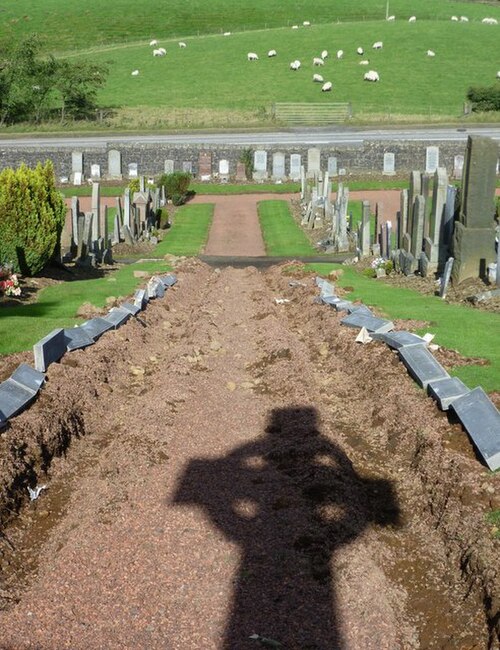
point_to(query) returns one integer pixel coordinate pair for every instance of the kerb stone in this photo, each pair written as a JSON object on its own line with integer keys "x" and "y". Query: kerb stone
{"x": 28, "y": 377}
{"x": 371, "y": 323}
{"x": 117, "y": 316}
{"x": 96, "y": 327}
{"x": 133, "y": 309}
{"x": 13, "y": 398}
{"x": 401, "y": 339}
{"x": 421, "y": 365}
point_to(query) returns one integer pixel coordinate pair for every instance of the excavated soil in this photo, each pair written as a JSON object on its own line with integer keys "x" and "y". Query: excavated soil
{"x": 225, "y": 466}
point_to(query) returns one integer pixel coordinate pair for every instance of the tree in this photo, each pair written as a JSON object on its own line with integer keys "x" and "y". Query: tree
{"x": 77, "y": 84}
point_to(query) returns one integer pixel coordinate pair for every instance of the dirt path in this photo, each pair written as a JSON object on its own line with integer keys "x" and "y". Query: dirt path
{"x": 240, "y": 467}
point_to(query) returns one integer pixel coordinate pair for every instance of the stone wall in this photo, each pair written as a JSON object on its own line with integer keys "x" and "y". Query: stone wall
{"x": 356, "y": 159}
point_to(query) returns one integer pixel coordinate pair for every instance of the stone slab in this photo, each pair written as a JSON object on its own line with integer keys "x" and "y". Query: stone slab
{"x": 117, "y": 316}
{"x": 96, "y": 327}
{"x": 400, "y": 339}
{"x": 360, "y": 309}
{"x": 342, "y": 305}
{"x": 49, "y": 349}
{"x": 421, "y": 364}
{"x": 330, "y": 300}
{"x": 14, "y": 398}
{"x": 28, "y": 377}
{"x": 168, "y": 280}
{"x": 446, "y": 391}
{"x": 133, "y": 309}
{"x": 371, "y": 323}
{"x": 155, "y": 288}
{"x": 481, "y": 420}
{"x": 77, "y": 338}
{"x": 141, "y": 298}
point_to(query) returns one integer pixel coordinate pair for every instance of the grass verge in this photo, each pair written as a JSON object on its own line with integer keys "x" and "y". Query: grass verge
{"x": 251, "y": 188}
{"x": 282, "y": 236}
{"x": 471, "y": 332}
{"x": 189, "y": 231}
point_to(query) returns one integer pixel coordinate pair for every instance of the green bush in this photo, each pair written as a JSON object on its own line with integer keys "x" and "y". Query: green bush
{"x": 134, "y": 185}
{"x": 176, "y": 183}
{"x": 162, "y": 218}
{"x": 32, "y": 214}
{"x": 484, "y": 98}
{"x": 179, "y": 199}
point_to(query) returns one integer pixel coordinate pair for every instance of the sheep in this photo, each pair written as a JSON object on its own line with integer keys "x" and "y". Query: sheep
{"x": 378, "y": 45}
{"x": 490, "y": 21}
{"x": 318, "y": 61}
{"x": 498, "y": 74}
{"x": 412, "y": 19}
{"x": 153, "y": 42}
{"x": 324, "y": 54}
{"x": 430, "y": 53}
{"x": 340, "y": 54}
{"x": 326, "y": 87}
{"x": 134, "y": 73}
{"x": 391, "y": 18}
{"x": 318, "y": 78}
{"x": 159, "y": 52}
{"x": 272, "y": 53}
{"x": 371, "y": 75}
{"x": 360, "y": 51}
{"x": 295, "y": 65}
{"x": 182, "y": 44}
{"x": 455, "y": 19}
{"x": 251, "y": 56}
{"x": 464, "y": 19}
{"x": 364, "y": 62}
{"x": 295, "y": 26}
{"x": 226, "y": 34}
{"x": 306, "y": 23}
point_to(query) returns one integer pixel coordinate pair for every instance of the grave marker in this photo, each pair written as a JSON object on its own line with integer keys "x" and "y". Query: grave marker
{"x": 446, "y": 391}
{"x": 431, "y": 159}
{"x": 95, "y": 172}
{"x": 313, "y": 162}
{"x": 389, "y": 168}
{"x": 169, "y": 166}
{"x": 421, "y": 364}
{"x": 278, "y": 172}
{"x": 371, "y": 323}
{"x": 114, "y": 164}
{"x": 76, "y": 338}
{"x": 332, "y": 166}
{"x": 260, "y": 164}
{"x": 295, "y": 166}
{"x": 133, "y": 170}
{"x": 49, "y": 349}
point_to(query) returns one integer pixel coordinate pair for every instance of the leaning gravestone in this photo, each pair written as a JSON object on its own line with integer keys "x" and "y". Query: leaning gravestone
{"x": 446, "y": 391}
{"x": 49, "y": 349}
{"x": 114, "y": 164}
{"x": 421, "y": 364}
{"x": 117, "y": 316}
{"x": 76, "y": 338}
{"x": 95, "y": 327}
{"x": 445, "y": 279}
{"x": 13, "y": 399}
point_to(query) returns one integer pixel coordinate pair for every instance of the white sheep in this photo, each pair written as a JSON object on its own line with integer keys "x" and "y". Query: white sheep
{"x": 455, "y": 19}
{"x": 464, "y": 19}
{"x": 318, "y": 78}
{"x": 318, "y": 61}
{"x": 378, "y": 45}
{"x": 153, "y": 42}
{"x": 226, "y": 34}
{"x": 272, "y": 53}
{"x": 295, "y": 26}
{"x": 326, "y": 87}
{"x": 295, "y": 65}
{"x": 251, "y": 56}
{"x": 391, "y": 18}
{"x": 364, "y": 62}
{"x": 498, "y": 74}
{"x": 340, "y": 54}
{"x": 490, "y": 21}
{"x": 306, "y": 23}
{"x": 159, "y": 52}
{"x": 431, "y": 53}
{"x": 182, "y": 44}
{"x": 360, "y": 51}
{"x": 371, "y": 75}
{"x": 412, "y": 19}
{"x": 324, "y": 54}
{"x": 134, "y": 73}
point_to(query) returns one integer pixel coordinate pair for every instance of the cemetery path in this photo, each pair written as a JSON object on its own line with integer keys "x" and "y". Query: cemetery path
{"x": 242, "y": 467}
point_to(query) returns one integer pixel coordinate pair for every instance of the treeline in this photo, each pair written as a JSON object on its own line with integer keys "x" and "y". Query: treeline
{"x": 34, "y": 88}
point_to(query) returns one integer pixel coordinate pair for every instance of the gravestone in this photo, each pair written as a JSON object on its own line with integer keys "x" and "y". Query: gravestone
{"x": 13, "y": 399}
{"x": 49, "y": 349}
{"x": 448, "y": 218}
{"x": 117, "y": 316}
{"x": 445, "y": 279}
{"x": 114, "y": 164}
{"x": 421, "y": 364}
{"x": 417, "y": 232}
{"x": 168, "y": 280}
{"x": 399, "y": 339}
{"x": 278, "y": 171}
{"x": 431, "y": 159}
{"x": 76, "y": 166}
{"x": 76, "y": 339}
{"x": 95, "y": 327}
{"x": 96, "y": 204}
{"x": 446, "y": 391}
{"x": 205, "y": 165}
{"x": 403, "y": 216}
{"x": 116, "y": 230}
{"x": 260, "y": 165}
{"x": 364, "y": 232}
{"x": 133, "y": 309}
{"x": 332, "y": 166}
{"x": 141, "y": 298}
{"x": 241, "y": 171}
{"x": 388, "y": 234}
{"x": 169, "y": 166}
{"x": 458, "y": 166}
{"x": 414, "y": 189}
{"x": 295, "y": 165}
{"x": 435, "y": 248}
{"x": 28, "y": 377}
{"x": 371, "y": 323}
{"x": 473, "y": 236}
{"x": 379, "y": 218}
{"x": 126, "y": 208}
{"x": 481, "y": 420}
{"x": 389, "y": 168}
{"x": 187, "y": 167}
{"x": 77, "y": 178}
{"x": 75, "y": 211}
{"x": 313, "y": 162}
{"x": 133, "y": 170}
{"x": 224, "y": 169}
{"x": 95, "y": 172}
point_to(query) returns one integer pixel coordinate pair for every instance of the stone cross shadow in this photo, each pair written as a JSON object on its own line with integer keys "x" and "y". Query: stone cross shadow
{"x": 290, "y": 499}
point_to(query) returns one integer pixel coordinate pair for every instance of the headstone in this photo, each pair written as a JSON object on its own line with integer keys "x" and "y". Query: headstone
{"x": 49, "y": 349}
{"x": 341, "y": 305}
{"x": 431, "y": 159}
{"x": 389, "y": 164}
{"x": 359, "y": 309}
{"x": 414, "y": 189}
{"x": 114, "y": 164}
{"x": 278, "y": 172}
{"x": 168, "y": 280}
{"x": 77, "y": 178}
{"x": 96, "y": 202}
{"x": 76, "y": 163}
{"x": 241, "y": 171}
{"x": 116, "y": 230}
{"x": 295, "y": 165}
{"x": 448, "y": 218}
{"x": 95, "y": 327}
{"x": 481, "y": 420}
{"x": 417, "y": 232}
{"x": 388, "y": 234}
{"x": 117, "y": 316}
{"x": 187, "y": 166}
{"x": 435, "y": 248}
{"x": 133, "y": 309}
{"x": 399, "y": 339}
{"x": 313, "y": 162}
{"x": 205, "y": 165}
{"x": 223, "y": 169}
{"x": 169, "y": 167}
{"x": 407, "y": 262}
{"x": 332, "y": 165}
{"x": 28, "y": 377}
{"x": 364, "y": 242}
{"x": 126, "y": 208}
{"x": 95, "y": 172}
{"x": 371, "y": 323}
{"x": 76, "y": 338}
{"x": 260, "y": 164}
{"x": 403, "y": 216}
{"x": 384, "y": 251}
{"x": 86, "y": 239}
{"x": 133, "y": 170}
{"x": 75, "y": 211}
{"x": 303, "y": 185}
{"x": 458, "y": 166}
{"x": 13, "y": 399}
{"x": 155, "y": 288}
{"x": 421, "y": 364}
{"x": 141, "y": 298}
{"x": 446, "y": 391}
{"x": 445, "y": 279}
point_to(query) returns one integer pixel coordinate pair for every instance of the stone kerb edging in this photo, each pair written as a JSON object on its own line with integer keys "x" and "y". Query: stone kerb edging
{"x": 477, "y": 413}
{"x": 17, "y": 392}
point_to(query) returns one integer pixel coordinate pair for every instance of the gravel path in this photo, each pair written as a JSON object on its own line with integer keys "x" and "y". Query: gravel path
{"x": 244, "y": 468}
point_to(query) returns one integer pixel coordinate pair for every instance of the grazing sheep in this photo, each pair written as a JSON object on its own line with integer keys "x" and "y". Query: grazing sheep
{"x": 318, "y": 61}
{"x": 498, "y": 74}
{"x": 430, "y": 53}
{"x": 318, "y": 77}
{"x": 364, "y": 62}
{"x": 324, "y": 54}
{"x": 340, "y": 54}
{"x": 227, "y": 34}
{"x": 295, "y": 26}
{"x": 153, "y": 42}
{"x": 251, "y": 56}
{"x": 159, "y": 52}
{"x": 412, "y": 19}
{"x": 306, "y": 23}
{"x": 490, "y": 21}
{"x": 134, "y": 73}
{"x": 182, "y": 44}
{"x": 360, "y": 51}
{"x": 326, "y": 87}
{"x": 391, "y": 18}
{"x": 295, "y": 65}
{"x": 272, "y": 53}
{"x": 371, "y": 75}
{"x": 378, "y": 45}
{"x": 464, "y": 19}
{"x": 454, "y": 18}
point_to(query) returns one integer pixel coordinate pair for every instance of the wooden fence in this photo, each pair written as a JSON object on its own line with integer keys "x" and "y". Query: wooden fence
{"x": 312, "y": 113}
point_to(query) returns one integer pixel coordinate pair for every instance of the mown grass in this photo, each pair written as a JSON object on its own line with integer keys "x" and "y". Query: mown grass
{"x": 250, "y": 188}
{"x": 472, "y": 332}
{"x": 282, "y": 236}
{"x": 56, "y": 306}
{"x": 189, "y": 231}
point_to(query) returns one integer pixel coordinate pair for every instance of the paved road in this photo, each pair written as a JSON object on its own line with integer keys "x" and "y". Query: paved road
{"x": 311, "y": 136}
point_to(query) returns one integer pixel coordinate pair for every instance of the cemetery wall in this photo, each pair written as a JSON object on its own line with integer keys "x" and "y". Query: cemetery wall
{"x": 153, "y": 159}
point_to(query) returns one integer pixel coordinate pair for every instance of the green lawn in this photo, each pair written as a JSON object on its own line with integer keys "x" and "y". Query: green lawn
{"x": 472, "y": 332}
{"x": 242, "y": 188}
{"x": 189, "y": 231}
{"x": 282, "y": 236}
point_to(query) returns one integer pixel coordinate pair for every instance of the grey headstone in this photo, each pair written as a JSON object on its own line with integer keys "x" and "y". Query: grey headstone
{"x": 114, "y": 164}
{"x": 371, "y": 323}
{"x": 295, "y": 163}
{"x": 168, "y": 280}
{"x": 403, "y": 217}
{"x": 28, "y": 377}
{"x": 389, "y": 164}
{"x": 400, "y": 339}
{"x": 49, "y": 349}
{"x": 260, "y": 164}
{"x": 141, "y": 298}
{"x": 342, "y": 305}
{"x": 445, "y": 279}
{"x": 332, "y": 165}
{"x": 187, "y": 166}
{"x": 133, "y": 309}
{"x": 458, "y": 166}
{"x": 481, "y": 419}
{"x": 278, "y": 172}
{"x": 76, "y": 162}
{"x": 13, "y": 398}
{"x": 77, "y": 338}
{"x": 155, "y": 288}
{"x": 327, "y": 289}
{"x": 431, "y": 159}
{"x": 95, "y": 171}
{"x": 133, "y": 170}
{"x": 421, "y": 364}
{"x": 224, "y": 167}
{"x": 117, "y": 316}
{"x": 96, "y": 327}
{"x": 446, "y": 391}
{"x": 96, "y": 210}
{"x": 169, "y": 167}
{"x": 478, "y": 186}
{"x": 331, "y": 300}
{"x": 417, "y": 225}
{"x": 360, "y": 309}
{"x": 313, "y": 162}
